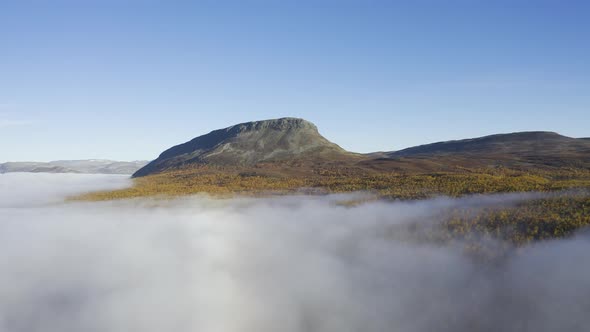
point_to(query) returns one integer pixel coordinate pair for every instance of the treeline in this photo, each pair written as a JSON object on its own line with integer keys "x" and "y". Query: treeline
{"x": 493, "y": 232}
{"x": 539, "y": 219}
{"x": 228, "y": 181}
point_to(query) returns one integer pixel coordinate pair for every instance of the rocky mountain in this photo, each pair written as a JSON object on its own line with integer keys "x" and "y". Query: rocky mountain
{"x": 250, "y": 143}
{"x": 92, "y": 166}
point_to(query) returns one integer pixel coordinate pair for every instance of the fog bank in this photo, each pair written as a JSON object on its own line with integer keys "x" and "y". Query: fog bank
{"x": 289, "y": 264}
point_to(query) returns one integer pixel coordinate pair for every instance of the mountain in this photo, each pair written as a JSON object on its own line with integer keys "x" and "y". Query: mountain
{"x": 292, "y": 147}
{"x": 250, "y": 143}
{"x": 535, "y": 148}
{"x": 92, "y": 166}
{"x": 289, "y": 155}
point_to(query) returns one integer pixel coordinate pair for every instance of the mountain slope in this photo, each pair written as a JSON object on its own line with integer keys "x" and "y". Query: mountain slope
{"x": 515, "y": 149}
{"x": 248, "y": 144}
{"x": 291, "y": 147}
{"x": 92, "y": 166}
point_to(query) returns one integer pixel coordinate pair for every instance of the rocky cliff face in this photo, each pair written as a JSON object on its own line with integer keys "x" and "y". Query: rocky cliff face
{"x": 247, "y": 144}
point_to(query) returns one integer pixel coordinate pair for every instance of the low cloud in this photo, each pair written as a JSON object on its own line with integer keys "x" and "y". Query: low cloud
{"x": 289, "y": 264}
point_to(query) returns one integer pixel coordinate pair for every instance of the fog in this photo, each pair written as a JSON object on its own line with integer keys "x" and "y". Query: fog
{"x": 289, "y": 264}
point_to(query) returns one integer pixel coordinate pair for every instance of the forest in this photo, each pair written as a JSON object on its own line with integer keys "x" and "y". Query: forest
{"x": 562, "y": 208}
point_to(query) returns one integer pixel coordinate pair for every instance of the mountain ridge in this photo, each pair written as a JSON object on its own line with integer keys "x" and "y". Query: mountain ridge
{"x": 519, "y": 149}
{"x": 464, "y": 144}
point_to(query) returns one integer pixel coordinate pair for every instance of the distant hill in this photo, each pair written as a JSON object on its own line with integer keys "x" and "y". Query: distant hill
{"x": 250, "y": 143}
{"x": 521, "y": 149}
{"x": 92, "y": 166}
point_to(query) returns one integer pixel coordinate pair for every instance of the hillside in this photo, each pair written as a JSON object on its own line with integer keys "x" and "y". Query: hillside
{"x": 248, "y": 144}
{"x": 522, "y": 149}
{"x": 91, "y": 166}
{"x": 289, "y": 155}
{"x": 294, "y": 148}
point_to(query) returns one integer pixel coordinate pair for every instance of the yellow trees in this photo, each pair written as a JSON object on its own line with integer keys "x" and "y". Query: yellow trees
{"x": 218, "y": 180}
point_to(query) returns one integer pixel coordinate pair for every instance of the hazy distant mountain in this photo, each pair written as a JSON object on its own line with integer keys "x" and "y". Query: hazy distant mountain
{"x": 514, "y": 149}
{"x": 247, "y": 144}
{"x": 92, "y": 166}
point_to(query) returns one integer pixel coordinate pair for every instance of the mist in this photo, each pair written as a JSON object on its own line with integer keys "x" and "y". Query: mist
{"x": 289, "y": 264}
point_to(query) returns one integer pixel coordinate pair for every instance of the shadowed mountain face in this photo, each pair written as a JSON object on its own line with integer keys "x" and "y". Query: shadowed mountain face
{"x": 248, "y": 144}
{"x": 515, "y": 149}
{"x": 92, "y": 166}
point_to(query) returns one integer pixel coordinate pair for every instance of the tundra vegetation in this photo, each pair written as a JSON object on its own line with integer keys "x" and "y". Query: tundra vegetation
{"x": 564, "y": 209}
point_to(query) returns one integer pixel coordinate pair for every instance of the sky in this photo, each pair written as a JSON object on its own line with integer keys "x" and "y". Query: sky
{"x": 127, "y": 79}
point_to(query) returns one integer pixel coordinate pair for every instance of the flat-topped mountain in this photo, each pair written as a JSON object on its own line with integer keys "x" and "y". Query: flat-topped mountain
{"x": 293, "y": 147}
{"x": 91, "y": 166}
{"x": 250, "y": 143}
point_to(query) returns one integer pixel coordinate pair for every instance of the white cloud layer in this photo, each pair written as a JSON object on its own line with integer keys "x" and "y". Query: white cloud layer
{"x": 291, "y": 264}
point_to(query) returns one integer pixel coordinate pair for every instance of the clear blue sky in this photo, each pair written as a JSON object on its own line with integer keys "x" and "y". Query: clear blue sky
{"x": 126, "y": 79}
